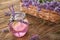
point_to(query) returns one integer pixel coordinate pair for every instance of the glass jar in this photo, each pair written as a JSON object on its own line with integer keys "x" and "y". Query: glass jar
{"x": 19, "y": 26}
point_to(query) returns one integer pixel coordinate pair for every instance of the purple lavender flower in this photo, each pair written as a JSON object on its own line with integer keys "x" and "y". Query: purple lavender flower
{"x": 35, "y": 37}
{"x": 5, "y": 30}
{"x": 7, "y": 14}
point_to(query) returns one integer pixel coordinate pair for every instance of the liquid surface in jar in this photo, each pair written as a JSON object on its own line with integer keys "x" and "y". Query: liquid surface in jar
{"x": 19, "y": 26}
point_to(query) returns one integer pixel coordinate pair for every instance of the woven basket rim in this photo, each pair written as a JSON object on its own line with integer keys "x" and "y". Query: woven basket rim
{"x": 46, "y": 10}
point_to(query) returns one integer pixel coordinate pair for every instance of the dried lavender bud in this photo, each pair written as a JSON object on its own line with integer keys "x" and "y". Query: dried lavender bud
{"x": 5, "y": 30}
{"x": 35, "y": 37}
{"x": 7, "y": 14}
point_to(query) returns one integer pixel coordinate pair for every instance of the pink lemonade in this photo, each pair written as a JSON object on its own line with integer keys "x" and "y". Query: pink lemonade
{"x": 19, "y": 29}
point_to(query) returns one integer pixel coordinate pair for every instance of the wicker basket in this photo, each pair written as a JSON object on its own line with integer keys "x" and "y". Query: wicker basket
{"x": 49, "y": 15}
{"x": 44, "y": 14}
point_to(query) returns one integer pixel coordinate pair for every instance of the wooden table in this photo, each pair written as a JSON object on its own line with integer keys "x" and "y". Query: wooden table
{"x": 37, "y": 26}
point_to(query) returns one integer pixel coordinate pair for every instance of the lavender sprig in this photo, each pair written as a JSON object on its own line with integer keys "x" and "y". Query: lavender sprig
{"x": 13, "y": 11}
{"x": 35, "y": 37}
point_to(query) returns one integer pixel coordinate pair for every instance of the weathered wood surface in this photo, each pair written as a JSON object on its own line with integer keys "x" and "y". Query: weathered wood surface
{"x": 37, "y": 26}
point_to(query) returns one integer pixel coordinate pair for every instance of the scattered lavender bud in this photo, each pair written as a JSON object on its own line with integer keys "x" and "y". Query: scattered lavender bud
{"x": 35, "y": 37}
{"x": 5, "y": 30}
{"x": 7, "y": 14}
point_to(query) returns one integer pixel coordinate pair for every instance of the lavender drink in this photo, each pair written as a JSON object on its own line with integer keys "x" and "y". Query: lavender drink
{"x": 19, "y": 26}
